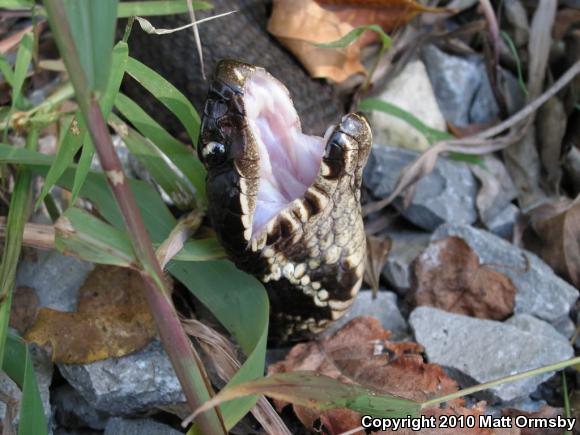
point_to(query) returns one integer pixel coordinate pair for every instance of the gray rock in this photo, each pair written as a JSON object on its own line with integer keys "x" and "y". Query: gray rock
{"x": 540, "y": 292}
{"x": 384, "y": 308}
{"x": 406, "y": 245}
{"x": 55, "y": 277}
{"x": 478, "y": 351}
{"x": 121, "y": 386}
{"x": 533, "y": 325}
{"x": 461, "y": 86}
{"x": 502, "y": 224}
{"x": 125, "y": 426}
{"x": 447, "y": 194}
{"x": 73, "y": 411}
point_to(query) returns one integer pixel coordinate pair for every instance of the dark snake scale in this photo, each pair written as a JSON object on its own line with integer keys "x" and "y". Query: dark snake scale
{"x": 311, "y": 255}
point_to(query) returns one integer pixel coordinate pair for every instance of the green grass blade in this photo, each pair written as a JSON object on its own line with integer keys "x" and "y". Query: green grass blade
{"x": 17, "y": 364}
{"x": 93, "y": 29}
{"x": 356, "y": 33}
{"x": 23, "y": 58}
{"x": 80, "y": 234}
{"x": 72, "y": 141}
{"x": 168, "y": 95}
{"x": 431, "y": 134}
{"x": 151, "y": 8}
{"x": 181, "y": 155}
{"x": 17, "y": 4}
{"x": 18, "y": 212}
{"x": 6, "y": 70}
{"x": 23, "y": 156}
{"x": 514, "y": 52}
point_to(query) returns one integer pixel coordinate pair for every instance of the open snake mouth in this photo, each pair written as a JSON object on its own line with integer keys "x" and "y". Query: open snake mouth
{"x": 289, "y": 159}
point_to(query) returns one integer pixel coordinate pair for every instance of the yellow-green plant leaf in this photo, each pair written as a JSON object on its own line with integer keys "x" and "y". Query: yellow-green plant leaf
{"x": 319, "y": 392}
{"x": 168, "y": 95}
{"x": 18, "y": 366}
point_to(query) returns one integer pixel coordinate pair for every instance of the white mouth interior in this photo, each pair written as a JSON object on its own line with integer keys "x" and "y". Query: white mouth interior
{"x": 289, "y": 159}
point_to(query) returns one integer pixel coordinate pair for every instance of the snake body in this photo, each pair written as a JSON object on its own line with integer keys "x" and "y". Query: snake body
{"x": 310, "y": 250}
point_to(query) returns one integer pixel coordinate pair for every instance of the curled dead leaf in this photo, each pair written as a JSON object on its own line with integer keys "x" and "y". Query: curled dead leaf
{"x": 447, "y": 275}
{"x": 112, "y": 320}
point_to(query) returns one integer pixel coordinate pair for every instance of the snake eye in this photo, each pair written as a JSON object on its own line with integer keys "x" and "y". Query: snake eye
{"x": 335, "y": 147}
{"x": 213, "y": 153}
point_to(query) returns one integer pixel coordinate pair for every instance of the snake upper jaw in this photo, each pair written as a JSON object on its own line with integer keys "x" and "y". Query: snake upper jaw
{"x": 250, "y": 126}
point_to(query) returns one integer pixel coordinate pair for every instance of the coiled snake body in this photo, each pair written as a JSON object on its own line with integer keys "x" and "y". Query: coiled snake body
{"x": 285, "y": 206}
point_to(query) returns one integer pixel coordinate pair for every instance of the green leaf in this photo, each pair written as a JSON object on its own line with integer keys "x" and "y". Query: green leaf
{"x": 92, "y": 26}
{"x": 80, "y": 234}
{"x": 240, "y": 303}
{"x": 16, "y": 4}
{"x": 168, "y": 95}
{"x": 6, "y": 70}
{"x": 75, "y": 133}
{"x": 23, "y": 156}
{"x": 150, "y": 8}
{"x": 17, "y": 364}
{"x": 23, "y": 58}
{"x": 200, "y": 250}
{"x": 181, "y": 155}
{"x": 354, "y": 34}
{"x": 320, "y": 392}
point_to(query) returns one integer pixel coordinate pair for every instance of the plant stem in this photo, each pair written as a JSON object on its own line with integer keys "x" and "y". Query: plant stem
{"x": 477, "y": 388}
{"x": 186, "y": 363}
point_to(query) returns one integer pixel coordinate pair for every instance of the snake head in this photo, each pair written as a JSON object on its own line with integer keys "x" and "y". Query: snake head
{"x": 258, "y": 159}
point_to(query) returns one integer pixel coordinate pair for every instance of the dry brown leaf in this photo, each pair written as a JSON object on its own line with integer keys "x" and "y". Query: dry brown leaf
{"x": 378, "y": 249}
{"x": 448, "y": 275}
{"x": 24, "y": 309}
{"x": 360, "y": 353}
{"x": 112, "y": 320}
{"x": 556, "y": 237}
{"x": 299, "y": 23}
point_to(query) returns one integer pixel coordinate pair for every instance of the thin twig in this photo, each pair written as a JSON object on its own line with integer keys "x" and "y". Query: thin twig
{"x": 196, "y": 37}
